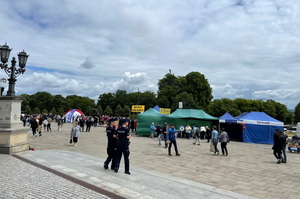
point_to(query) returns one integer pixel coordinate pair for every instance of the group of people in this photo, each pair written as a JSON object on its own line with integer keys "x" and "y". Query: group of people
{"x": 38, "y": 122}
{"x": 118, "y": 136}
{"x": 169, "y": 135}
{"x": 280, "y": 146}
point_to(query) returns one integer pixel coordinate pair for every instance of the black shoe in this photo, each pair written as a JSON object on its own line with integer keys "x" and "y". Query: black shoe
{"x": 105, "y": 166}
{"x": 170, "y": 154}
{"x": 116, "y": 169}
{"x": 178, "y": 154}
{"x": 278, "y": 162}
{"x": 127, "y": 172}
{"x": 283, "y": 161}
{"x": 194, "y": 143}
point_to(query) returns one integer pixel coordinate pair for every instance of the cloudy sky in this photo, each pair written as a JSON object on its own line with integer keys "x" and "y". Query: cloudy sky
{"x": 245, "y": 48}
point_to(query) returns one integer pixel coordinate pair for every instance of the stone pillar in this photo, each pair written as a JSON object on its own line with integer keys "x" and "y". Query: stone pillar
{"x": 13, "y": 136}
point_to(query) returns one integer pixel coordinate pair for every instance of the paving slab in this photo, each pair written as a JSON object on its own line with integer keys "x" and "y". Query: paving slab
{"x": 22, "y": 180}
{"x": 142, "y": 182}
{"x": 247, "y": 164}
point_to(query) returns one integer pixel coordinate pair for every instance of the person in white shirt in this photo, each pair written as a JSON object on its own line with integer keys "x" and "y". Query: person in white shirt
{"x": 202, "y": 132}
{"x": 45, "y": 123}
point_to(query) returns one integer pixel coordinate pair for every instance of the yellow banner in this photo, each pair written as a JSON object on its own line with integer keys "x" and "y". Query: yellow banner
{"x": 138, "y": 108}
{"x": 165, "y": 111}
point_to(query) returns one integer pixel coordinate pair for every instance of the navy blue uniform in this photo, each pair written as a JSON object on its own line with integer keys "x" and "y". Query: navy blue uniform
{"x": 111, "y": 147}
{"x": 123, "y": 147}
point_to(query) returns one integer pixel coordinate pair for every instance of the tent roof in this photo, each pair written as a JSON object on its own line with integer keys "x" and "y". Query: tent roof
{"x": 227, "y": 118}
{"x": 191, "y": 113}
{"x": 157, "y": 108}
{"x": 259, "y": 116}
{"x": 241, "y": 115}
{"x": 151, "y": 112}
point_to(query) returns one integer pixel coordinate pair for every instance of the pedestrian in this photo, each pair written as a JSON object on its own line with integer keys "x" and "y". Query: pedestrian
{"x": 208, "y": 134}
{"x": 88, "y": 124}
{"x": 159, "y": 133}
{"x": 123, "y": 136}
{"x": 188, "y": 130}
{"x": 214, "y": 139}
{"x": 40, "y": 125}
{"x": 75, "y": 133}
{"x": 49, "y": 124}
{"x": 197, "y": 134}
{"x": 277, "y": 147}
{"x": 202, "y": 132}
{"x": 60, "y": 123}
{"x": 45, "y": 123}
{"x": 152, "y": 130}
{"x": 171, "y": 138}
{"x": 81, "y": 122}
{"x": 282, "y": 138}
{"x": 111, "y": 144}
{"x": 132, "y": 125}
{"x": 224, "y": 139}
{"x": 34, "y": 126}
{"x": 165, "y": 131}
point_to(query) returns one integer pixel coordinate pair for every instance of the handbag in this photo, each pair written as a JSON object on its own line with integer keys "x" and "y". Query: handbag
{"x": 71, "y": 140}
{"x": 212, "y": 147}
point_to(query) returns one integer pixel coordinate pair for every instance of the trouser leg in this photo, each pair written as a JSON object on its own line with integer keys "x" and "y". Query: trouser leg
{"x": 175, "y": 146}
{"x": 284, "y": 153}
{"x": 170, "y": 146}
{"x": 275, "y": 154}
{"x": 222, "y": 147}
{"x": 126, "y": 158}
{"x": 216, "y": 147}
{"x": 118, "y": 158}
{"x": 225, "y": 148}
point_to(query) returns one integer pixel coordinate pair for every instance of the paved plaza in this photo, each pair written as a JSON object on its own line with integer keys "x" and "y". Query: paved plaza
{"x": 249, "y": 170}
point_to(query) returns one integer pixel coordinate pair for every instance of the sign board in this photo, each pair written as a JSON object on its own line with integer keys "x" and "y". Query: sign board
{"x": 180, "y": 105}
{"x": 165, "y": 111}
{"x": 138, "y": 108}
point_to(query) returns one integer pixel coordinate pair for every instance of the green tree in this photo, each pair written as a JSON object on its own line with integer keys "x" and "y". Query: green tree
{"x": 100, "y": 110}
{"x": 219, "y": 107}
{"x": 199, "y": 87}
{"x": 60, "y": 111}
{"x": 88, "y": 111}
{"x": 119, "y": 111}
{"x": 25, "y": 102}
{"x": 186, "y": 99}
{"x": 121, "y": 97}
{"x": 28, "y": 111}
{"x": 107, "y": 99}
{"x": 36, "y": 110}
{"x": 53, "y": 111}
{"x": 108, "y": 111}
{"x": 45, "y": 112}
{"x": 126, "y": 111}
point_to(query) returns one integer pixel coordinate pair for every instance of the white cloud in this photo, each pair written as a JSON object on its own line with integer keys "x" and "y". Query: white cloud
{"x": 236, "y": 44}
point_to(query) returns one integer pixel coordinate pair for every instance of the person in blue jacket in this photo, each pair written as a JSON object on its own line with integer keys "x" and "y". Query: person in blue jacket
{"x": 171, "y": 138}
{"x": 152, "y": 130}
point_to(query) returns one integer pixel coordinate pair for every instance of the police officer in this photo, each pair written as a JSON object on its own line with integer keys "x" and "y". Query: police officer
{"x": 123, "y": 136}
{"x": 111, "y": 143}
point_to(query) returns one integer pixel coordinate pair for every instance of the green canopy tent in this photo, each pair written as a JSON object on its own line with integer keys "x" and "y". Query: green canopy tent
{"x": 192, "y": 117}
{"x": 145, "y": 119}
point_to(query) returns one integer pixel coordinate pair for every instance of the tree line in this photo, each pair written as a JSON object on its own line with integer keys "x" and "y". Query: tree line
{"x": 193, "y": 90}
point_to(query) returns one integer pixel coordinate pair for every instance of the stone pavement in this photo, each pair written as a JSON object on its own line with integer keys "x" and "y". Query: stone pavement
{"x": 21, "y": 180}
{"x": 142, "y": 184}
{"x": 249, "y": 169}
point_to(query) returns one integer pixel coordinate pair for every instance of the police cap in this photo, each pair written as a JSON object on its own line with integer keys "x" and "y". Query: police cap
{"x": 124, "y": 120}
{"x": 112, "y": 119}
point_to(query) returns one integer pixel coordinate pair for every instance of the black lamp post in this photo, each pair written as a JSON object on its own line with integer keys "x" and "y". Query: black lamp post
{"x": 12, "y": 71}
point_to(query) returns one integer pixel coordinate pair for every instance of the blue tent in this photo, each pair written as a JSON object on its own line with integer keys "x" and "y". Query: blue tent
{"x": 241, "y": 115}
{"x": 227, "y": 118}
{"x": 232, "y": 127}
{"x": 157, "y": 108}
{"x": 260, "y": 127}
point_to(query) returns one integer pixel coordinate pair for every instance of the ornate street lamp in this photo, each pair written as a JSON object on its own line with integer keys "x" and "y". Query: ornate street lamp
{"x": 12, "y": 71}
